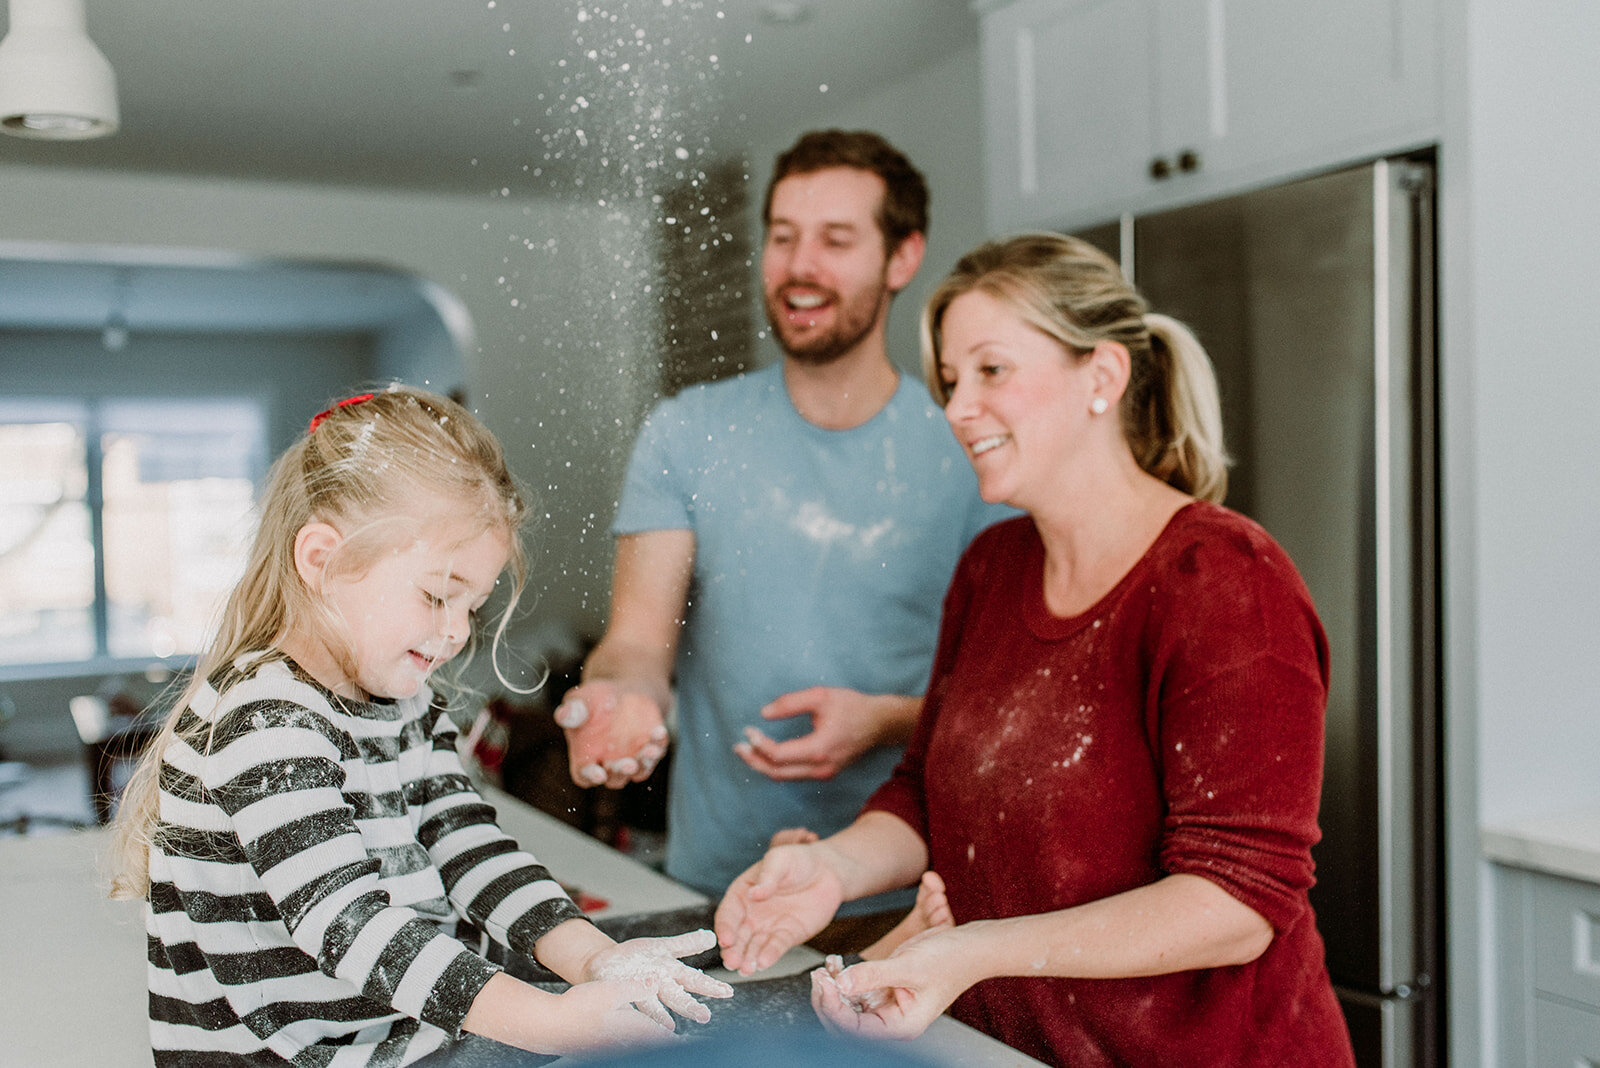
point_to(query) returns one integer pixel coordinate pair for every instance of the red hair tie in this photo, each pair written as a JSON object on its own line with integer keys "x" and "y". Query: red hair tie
{"x": 316, "y": 420}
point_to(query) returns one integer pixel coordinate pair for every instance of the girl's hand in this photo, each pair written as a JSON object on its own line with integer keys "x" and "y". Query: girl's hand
{"x": 603, "y": 1015}
{"x": 900, "y": 996}
{"x": 653, "y": 963}
{"x": 584, "y": 1018}
{"x": 779, "y": 902}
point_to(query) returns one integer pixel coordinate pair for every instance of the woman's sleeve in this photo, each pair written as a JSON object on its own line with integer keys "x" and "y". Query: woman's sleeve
{"x": 276, "y": 769}
{"x": 490, "y": 880}
{"x": 1238, "y": 694}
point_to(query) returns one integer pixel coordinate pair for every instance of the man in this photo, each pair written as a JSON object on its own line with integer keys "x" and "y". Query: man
{"x": 784, "y": 542}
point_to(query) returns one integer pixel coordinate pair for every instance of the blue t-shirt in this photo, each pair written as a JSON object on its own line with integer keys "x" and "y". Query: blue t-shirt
{"x": 821, "y": 558}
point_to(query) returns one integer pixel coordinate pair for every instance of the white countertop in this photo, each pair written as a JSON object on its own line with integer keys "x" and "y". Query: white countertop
{"x": 1565, "y": 844}
{"x": 72, "y": 985}
{"x": 72, "y": 962}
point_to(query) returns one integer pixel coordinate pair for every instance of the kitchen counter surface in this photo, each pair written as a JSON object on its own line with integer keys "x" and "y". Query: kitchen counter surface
{"x": 72, "y": 989}
{"x": 1565, "y": 844}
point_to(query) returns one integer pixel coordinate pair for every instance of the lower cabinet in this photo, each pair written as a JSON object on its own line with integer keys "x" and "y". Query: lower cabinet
{"x": 1564, "y": 1036}
{"x": 1549, "y": 974}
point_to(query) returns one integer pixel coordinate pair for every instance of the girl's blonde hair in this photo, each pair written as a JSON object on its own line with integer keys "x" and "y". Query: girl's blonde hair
{"x": 1072, "y": 292}
{"x": 364, "y": 462}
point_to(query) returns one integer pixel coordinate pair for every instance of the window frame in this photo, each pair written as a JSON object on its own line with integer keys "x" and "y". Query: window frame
{"x": 92, "y": 424}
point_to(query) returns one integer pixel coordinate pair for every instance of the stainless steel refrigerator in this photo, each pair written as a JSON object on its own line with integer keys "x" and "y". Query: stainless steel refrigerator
{"x": 1315, "y": 301}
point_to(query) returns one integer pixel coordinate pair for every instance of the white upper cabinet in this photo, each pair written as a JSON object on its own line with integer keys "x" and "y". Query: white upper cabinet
{"x": 1096, "y": 107}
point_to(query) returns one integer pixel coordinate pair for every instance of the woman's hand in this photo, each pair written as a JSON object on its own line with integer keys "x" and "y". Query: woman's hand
{"x": 779, "y": 902}
{"x": 793, "y": 836}
{"x": 653, "y": 963}
{"x": 900, "y": 996}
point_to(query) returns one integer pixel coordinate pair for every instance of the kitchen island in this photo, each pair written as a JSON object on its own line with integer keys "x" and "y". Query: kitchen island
{"x": 72, "y": 985}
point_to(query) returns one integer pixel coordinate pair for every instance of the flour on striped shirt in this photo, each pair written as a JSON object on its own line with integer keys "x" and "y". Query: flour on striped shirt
{"x": 319, "y": 864}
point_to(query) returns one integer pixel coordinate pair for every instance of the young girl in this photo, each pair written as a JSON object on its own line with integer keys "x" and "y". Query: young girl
{"x": 312, "y": 851}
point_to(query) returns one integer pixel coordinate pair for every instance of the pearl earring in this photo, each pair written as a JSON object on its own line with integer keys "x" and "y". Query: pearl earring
{"x": 1098, "y": 406}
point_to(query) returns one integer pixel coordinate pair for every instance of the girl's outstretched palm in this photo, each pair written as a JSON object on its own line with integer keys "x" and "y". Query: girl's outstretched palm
{"x": 654, "y": 963}
{"x": 603, "y": 1015}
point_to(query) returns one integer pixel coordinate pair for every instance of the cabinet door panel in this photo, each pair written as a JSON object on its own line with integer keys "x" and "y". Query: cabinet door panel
{"x": 1190, "y": 76}
{"x": 1566, "y": 939}
{"x": 1304, "y": 77}
{"x": 1068, "y": 100}
{"x": 1565, "y": 1037}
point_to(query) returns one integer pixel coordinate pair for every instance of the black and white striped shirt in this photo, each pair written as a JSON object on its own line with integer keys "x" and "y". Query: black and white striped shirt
{"x": 317, "y": 867}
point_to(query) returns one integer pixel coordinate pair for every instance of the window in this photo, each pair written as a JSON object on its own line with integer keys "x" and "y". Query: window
{"x": 123, "y": 523}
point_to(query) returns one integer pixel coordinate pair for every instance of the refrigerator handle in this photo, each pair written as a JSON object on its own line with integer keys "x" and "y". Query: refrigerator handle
{"x": 1403, "y": 471}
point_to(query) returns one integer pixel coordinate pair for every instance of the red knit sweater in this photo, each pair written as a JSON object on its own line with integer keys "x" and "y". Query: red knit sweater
{"x": 1176, "y": 726}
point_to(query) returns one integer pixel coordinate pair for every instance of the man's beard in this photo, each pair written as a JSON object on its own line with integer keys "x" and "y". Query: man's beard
{"x": 853, "y": 322}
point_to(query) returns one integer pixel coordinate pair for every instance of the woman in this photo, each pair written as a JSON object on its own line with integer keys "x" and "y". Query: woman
{"x": 1117, "y": 768}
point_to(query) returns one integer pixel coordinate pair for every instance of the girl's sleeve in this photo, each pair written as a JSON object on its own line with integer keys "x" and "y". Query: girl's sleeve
{"x": 501, "y": 888}
{"x": 1238, "y": 694}
{"x": 276, "y": 769}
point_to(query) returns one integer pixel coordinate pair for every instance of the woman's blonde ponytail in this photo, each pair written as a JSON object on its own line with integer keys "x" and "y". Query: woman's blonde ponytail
{"x": 1190, "y": 453}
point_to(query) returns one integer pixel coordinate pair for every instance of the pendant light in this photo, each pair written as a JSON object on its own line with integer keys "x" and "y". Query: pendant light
{"x": 54, "y": 83}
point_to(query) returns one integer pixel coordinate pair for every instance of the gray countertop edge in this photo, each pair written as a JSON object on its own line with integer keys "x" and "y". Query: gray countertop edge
{"x": 1565, "y": 844}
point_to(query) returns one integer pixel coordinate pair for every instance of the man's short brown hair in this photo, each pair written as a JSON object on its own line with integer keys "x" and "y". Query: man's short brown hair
{"x": 904, "y": 210}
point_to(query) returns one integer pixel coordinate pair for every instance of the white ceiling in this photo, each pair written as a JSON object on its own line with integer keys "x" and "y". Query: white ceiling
{"x": 540, "y": 97}
{"x": 473, "y": 95}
